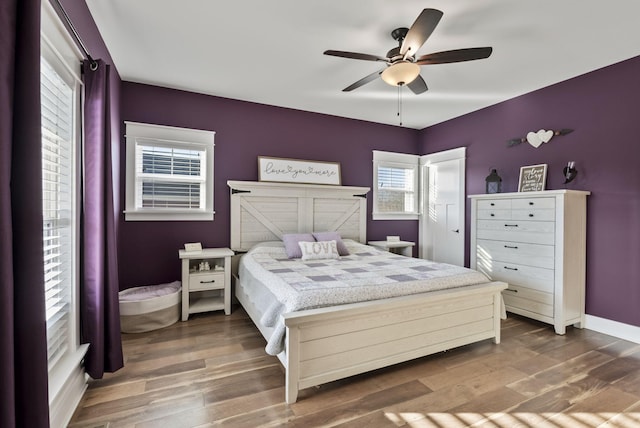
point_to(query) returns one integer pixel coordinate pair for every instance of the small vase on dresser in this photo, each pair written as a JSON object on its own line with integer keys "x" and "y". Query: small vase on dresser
{"x": 536, "y": 242}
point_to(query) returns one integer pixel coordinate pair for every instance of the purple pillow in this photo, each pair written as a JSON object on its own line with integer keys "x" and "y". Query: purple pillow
{"x": 291, "y": 243}
{"x": 332, "y": 236}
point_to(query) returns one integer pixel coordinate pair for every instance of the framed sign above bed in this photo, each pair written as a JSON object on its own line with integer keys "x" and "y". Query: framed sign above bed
{"x": 298, "y": 171}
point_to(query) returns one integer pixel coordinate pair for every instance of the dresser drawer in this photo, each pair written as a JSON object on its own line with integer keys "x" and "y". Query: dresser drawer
{"x": 534, "y": 232}
{"x": 538, "y": 255}
{"x": 528, "y": 276}
{"x": 534, "y": 214}
{"x": 495, "y": 214}
{"x": 494, "y": 204}
{"x": 533, "y": 203}
{"x": 517, "y": 297}
{"x": 206, "y": 281}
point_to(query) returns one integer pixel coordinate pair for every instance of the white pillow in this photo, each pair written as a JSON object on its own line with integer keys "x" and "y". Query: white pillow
{"x": 319, "y": 250}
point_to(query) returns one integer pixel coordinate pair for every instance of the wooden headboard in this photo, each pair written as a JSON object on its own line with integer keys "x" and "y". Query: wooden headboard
{"x": 264, "y": 211}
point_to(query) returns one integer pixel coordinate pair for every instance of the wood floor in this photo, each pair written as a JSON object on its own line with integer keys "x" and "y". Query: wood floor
{"x": 212, "y": 371}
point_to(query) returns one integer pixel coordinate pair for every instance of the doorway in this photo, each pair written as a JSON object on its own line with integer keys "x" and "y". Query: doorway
{"x": 442, "y": 222}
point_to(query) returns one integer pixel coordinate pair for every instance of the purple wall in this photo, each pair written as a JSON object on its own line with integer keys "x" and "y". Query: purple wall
{"x": 244, "y": 131}
{"x": 603, "y": 107}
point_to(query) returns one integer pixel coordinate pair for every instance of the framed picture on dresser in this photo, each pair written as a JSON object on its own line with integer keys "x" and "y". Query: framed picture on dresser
{"x": 532, "y": 178}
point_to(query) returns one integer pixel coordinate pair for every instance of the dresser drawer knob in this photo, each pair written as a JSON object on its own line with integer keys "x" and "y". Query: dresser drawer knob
{"x": 208, "y": 282}
{"x": 510, "y": 225}
{"x": 492, "y": 215}
{"x": 511, "y": 246}
{"x": 530, "y": 203}
{"x": 510, "y": 268}
{"x": 530, "y": 215}
{"x": 492, "y": 204}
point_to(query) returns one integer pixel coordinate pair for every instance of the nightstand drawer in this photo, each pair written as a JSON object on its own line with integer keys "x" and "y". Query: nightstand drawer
{"x": 206, "y": 281}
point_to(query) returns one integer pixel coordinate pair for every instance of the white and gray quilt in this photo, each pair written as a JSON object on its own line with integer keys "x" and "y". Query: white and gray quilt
{"x": 366, "y": 274}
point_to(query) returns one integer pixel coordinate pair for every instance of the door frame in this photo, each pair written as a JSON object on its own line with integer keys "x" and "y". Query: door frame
{"x": 425, "y": 160}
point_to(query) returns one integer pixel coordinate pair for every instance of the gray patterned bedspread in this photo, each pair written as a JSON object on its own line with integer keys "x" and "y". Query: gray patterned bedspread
{"x": 366, "y": 274}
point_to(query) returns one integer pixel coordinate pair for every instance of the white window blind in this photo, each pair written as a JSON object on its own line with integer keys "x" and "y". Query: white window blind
{"x": 395, "y": 190}
{"x": 169, "y": 177}
{"x": 169, "y": 173}
{"x": 57, "y": 178}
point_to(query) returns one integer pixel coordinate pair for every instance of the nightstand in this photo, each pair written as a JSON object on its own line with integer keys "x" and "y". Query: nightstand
{"x": 203, "y": 289}
{"x": 404, "y": 248}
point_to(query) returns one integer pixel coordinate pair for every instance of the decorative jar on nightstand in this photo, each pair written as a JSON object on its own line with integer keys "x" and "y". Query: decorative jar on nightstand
{"x": 206, "y": 281}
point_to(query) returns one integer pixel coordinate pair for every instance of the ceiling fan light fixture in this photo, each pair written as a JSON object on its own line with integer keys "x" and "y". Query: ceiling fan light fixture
{"x": 401, "y": 73}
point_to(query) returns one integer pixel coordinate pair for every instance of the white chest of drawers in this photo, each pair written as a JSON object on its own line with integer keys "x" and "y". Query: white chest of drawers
{"x": 536, "y": 242}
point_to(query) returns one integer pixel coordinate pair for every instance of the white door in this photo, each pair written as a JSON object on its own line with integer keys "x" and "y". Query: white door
{"x": 442, "y": 224}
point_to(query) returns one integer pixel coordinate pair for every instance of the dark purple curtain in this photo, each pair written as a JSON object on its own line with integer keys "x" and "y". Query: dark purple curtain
{"x": 100, "y": 314}
{"x": 23, "y": 351}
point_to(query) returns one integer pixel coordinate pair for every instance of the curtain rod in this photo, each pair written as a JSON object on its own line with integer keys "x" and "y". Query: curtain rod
{"x": 93, "y": 64}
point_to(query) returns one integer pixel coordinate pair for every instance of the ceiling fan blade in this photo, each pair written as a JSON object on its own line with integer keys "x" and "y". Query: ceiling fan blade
{"x": 420, "y": 31}
{"x": 457, "y": 55}
{"x": 418, "y": 85}
{"x": 363, "y": 81}
{"x": 356, "y": 55}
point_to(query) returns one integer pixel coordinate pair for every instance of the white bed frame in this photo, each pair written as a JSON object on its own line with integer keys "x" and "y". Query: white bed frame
{"x": 327, "y": 344}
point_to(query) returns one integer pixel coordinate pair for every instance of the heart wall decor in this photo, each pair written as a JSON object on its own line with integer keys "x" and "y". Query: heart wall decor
{"x": 536, "y": 139}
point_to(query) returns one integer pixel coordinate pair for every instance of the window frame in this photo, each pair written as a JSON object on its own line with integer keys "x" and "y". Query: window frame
{"x": 396, "y": 160}
{"x": 168, "y": 137}
{"x": 66, "y": 375}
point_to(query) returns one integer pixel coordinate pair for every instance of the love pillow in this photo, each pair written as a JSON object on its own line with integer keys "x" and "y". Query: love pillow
{"x": 332, "y": 236}
{"x": 318, "y": 250}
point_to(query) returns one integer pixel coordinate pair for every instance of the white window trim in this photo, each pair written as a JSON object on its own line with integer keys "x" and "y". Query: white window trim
{"x": 176, "y": 137}
{"x": 67, "y": 379}
{"x": 403, "y": 160}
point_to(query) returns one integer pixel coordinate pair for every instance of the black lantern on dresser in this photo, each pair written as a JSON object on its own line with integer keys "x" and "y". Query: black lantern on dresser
{"x": 494, "y": 182}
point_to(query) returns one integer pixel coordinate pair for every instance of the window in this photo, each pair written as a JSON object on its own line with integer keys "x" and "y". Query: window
{"x": 169, "y": 173}
{"x": 395, "y": 190}
{"x": 60, "y": 90}
{"x": 57, "y": 99}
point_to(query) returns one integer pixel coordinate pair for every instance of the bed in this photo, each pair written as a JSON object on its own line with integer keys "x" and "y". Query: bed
{"x": 326, "y": 343}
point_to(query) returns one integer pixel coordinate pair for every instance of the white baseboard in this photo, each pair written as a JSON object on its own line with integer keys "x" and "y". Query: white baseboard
{"x": 613, "y": 328}
{"x": 67, "y": 384}
{"x": 64, "y": 405}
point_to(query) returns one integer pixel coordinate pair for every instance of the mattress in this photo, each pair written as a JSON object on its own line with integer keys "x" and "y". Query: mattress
{"x": 277, "y": 285}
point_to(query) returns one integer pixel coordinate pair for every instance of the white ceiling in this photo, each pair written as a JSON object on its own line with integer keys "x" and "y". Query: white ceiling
{"x": 271, "y": 52}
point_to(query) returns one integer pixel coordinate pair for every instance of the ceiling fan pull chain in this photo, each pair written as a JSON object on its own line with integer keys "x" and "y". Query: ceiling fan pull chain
{"x": 400, "y": 103}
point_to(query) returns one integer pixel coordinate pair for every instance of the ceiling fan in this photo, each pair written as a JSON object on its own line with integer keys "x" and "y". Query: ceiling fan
{"x": 403, "y": 67}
